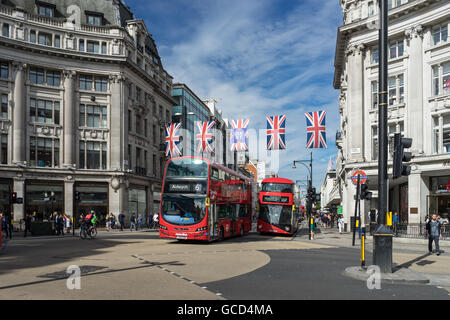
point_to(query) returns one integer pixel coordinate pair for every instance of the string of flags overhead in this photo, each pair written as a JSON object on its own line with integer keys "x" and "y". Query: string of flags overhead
{"x": 239, "y": 137}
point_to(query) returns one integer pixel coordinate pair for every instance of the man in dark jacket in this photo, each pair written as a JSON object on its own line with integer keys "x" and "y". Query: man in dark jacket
{"x": 121, "y": 220}
{"x": 27, "y": 223}
{"x": 434, "y": 234}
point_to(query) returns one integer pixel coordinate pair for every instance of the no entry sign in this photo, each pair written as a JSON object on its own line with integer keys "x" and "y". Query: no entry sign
{"x": 362, "y": 179}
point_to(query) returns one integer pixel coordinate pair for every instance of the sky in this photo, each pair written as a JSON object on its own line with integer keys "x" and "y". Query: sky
{"x": 261, "y": 58}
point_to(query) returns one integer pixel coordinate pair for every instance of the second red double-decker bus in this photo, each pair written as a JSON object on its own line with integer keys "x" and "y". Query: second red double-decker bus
{"x": 203, "y": 200}
{"x": 276, "y": 212}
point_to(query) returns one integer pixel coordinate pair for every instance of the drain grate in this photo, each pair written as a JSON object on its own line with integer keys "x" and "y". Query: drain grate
{"x": 63, "y": 274}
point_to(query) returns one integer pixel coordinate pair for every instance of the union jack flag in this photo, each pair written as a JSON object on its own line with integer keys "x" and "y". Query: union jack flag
{"x": 276, "y": 132}
{"x": 204, "y": 136}
{"x": 315, "y": 131}
{"x": 239, "y": 135}
{"x": 172, "y": 139}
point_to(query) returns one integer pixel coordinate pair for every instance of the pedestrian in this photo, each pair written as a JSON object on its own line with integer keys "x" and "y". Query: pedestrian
{"x": 139, "y": 222}
{"x": 149, "y": 221}
{"x": 108, "y": 222}
{"x": 155, "y": 220}
{"x": 324, "y": 221}
{"x": 121, "y": 220}
{"x": 395, "y": 222}
{"x": 132, "y": 222}
{"x": 313, "y": 228}
{"x": 434, "y": 234}
{"x": 341, "y": 223}
{"x": 27, "y": 224}
{"x": 113, "y": 220}
{"x": 8, "y": 225}
{"x": 3, "y": 225}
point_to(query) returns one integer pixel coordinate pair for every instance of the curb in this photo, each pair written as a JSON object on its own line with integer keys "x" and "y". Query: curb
{"x": 401, "y": 276}
{"x": 424, "y": 242}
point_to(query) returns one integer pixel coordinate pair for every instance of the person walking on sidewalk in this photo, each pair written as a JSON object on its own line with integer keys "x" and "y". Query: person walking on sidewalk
{"x": 132, "y": 222}
{"x": 434, "y": 233}
{"x": 27, "y": 224}
{"x": 155, "y": 220}
{"x": 341, "y": 223}
{"x": 395, "y": 222}
{"x": 121, "y": 220}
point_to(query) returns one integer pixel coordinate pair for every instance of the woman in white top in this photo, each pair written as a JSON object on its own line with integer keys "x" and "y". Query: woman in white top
{"x": 341, "y": 223}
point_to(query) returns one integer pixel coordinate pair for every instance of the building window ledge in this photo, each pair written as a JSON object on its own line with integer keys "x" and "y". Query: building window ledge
{"x": 438, "y": 46}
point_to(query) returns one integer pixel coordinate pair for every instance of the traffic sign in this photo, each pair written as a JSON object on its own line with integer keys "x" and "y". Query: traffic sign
{"x": 363, "y": 177}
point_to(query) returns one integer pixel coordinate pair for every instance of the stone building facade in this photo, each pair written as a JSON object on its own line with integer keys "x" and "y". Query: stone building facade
{"x": 419, "y": 103}
{"x": 85, "y": 99}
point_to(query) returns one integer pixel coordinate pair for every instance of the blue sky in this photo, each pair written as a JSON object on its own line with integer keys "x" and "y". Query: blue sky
{"x": 260, "y": 57}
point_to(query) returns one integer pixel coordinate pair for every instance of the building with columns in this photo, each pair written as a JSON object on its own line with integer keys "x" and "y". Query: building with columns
{"x": 419, "y": 103}
{"x": 85, "y": 99}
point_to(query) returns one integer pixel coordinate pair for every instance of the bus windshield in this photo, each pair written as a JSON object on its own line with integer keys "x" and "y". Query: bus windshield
{"x": 187, "y": 167}
{"x": 277, "y": 187}
{"x": 183, "y": 210}
{"x": 276, "y": 214}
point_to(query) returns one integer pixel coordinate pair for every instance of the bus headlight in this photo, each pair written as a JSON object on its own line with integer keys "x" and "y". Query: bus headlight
{"x": 287, "y": 228}
{"x": 162, "y": 227}
{"x": 201, "y": 229}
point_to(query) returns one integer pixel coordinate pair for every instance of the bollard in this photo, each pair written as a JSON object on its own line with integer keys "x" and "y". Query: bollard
{"x": 363, "y": 248}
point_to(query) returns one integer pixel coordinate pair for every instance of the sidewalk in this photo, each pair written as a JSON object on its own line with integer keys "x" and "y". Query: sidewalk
{"x": 411, "y": 261}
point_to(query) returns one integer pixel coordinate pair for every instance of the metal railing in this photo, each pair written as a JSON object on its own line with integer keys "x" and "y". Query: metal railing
{"x": 417, "y": 230}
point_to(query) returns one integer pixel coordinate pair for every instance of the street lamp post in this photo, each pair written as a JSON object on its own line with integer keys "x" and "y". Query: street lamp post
{"x": 309, "y": 203}
{"x": 382, "y": 253}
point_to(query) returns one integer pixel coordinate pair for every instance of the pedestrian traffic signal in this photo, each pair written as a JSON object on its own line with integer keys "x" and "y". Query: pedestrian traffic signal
{"x": 365, "y": 193}
{"x": 400, "y": 144}
{"x": 13, "y": 197}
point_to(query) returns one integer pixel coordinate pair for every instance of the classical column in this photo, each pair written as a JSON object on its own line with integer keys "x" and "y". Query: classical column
{"x": 19, "y": 114}
{"x": 117, "y": 117}
{"x": 417, "y": 195}
{"x": 414, "y": 107}
{"x": 69, "y": 196}
{"x": 70, "y": 118}
{"x": 355, "y": 98}
{"x": 18, "y": 208}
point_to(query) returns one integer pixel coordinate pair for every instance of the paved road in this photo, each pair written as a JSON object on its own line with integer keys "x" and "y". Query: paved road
{"x": 142, "y": 266}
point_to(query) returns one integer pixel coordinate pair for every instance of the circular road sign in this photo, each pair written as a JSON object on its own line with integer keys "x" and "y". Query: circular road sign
{"x": 363, "y": 177}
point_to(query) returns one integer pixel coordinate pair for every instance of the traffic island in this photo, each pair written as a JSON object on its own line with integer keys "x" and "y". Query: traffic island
{"x": 399, "y": 276}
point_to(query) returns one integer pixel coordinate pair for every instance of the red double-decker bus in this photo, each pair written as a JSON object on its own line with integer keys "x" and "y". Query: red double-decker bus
{"x": 203, "y": 200}
{"x": 276, "y": 211}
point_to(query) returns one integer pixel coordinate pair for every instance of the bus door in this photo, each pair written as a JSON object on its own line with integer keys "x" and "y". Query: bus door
{"x": 233, "y": 224}
{"x": 213, "y": 223}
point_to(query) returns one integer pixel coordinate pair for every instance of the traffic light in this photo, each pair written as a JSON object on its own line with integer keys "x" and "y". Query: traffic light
{"x": 365, "y": 193}
{"x": 398, "y": 168}
{"x": 14, "y": 197}
{"x": 77, "y": 196}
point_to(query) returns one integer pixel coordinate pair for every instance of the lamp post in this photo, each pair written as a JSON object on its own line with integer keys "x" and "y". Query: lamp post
{"x": 309, "y": 203}
{"x": 382, "y": 253}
